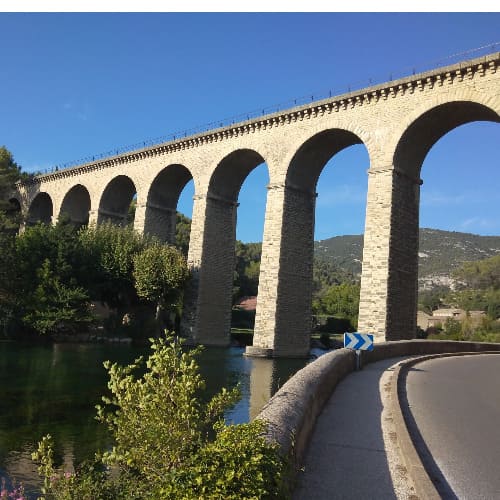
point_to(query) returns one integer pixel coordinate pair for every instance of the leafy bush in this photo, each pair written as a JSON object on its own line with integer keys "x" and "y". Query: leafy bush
{"x": 169, "y": 444}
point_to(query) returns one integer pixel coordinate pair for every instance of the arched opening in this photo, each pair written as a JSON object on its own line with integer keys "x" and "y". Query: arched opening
{"x": 427, "y": 129}
{"x": 14, "y": 207}
{"x": 117, "y": 201}
{"x": 249, "y": 233}
{"x": 212, "y": 287}
{"x": 292, "y": 311}
{"x": 41, "y": 209}
{"x": 446, "y": 143}
{"x": 161, "y": 205}
{"x": 76, "y": 205}
{"x": 339, "y": 225}
{"x": 184, "y": 217}
{"x": 458, "y": 218}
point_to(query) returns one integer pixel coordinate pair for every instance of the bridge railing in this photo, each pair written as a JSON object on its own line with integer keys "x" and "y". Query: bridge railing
{"x": 288, "y": 104}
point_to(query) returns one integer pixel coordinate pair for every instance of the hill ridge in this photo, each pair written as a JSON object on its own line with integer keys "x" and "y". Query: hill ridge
{"x": 440, "y": 252}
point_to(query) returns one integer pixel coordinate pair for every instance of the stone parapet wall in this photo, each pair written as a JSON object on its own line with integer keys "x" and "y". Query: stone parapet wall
{"x": 292, "y": 412}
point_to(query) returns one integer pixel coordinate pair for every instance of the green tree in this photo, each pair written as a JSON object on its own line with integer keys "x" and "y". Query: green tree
{"x": 109, "y": 252}
{"x": 45, "y": 279}
{"x": 430, "y": 300}
{"x": 452, "y": 328}
{"x": 341, "y": 301}
{"x": 182, "y": 233}
{"x": 247, "y": 269}
{"x": 160, "y": 272}
{"x": 47, "y": 276}
{"x": 55, "y": 307}
{"x": 481, "y": 274}
{"x": 9, "y": 317}
{"x": 10, "y": 173}
{"x": 168, "y": 442}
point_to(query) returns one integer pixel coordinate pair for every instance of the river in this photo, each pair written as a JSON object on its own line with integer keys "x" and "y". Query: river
{"x": 54, "y": 389}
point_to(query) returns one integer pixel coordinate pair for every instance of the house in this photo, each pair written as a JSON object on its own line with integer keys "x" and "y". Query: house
{"x": 439, "y": 317}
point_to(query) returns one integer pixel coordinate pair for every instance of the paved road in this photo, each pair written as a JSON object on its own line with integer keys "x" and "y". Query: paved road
{"x": 455, "y": 404}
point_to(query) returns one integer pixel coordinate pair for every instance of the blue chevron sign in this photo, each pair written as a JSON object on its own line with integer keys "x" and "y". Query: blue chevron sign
{"x": 358, "y": 341}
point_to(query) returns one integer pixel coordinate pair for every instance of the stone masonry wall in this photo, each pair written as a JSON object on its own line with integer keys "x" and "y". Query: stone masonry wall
{"x": 379, "y": 117}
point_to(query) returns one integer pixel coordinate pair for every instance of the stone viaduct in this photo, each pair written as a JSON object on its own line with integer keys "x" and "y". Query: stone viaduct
{"x": 398, "y": 122}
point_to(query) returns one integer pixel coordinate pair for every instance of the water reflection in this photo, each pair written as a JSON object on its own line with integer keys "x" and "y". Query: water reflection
{"x": 54, "y": 389}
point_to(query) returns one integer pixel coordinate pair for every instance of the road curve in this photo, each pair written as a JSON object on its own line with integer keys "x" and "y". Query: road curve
{"x": 454, "y": 419}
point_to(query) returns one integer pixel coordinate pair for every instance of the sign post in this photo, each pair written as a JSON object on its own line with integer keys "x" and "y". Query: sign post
{"x": 359, "y": 342}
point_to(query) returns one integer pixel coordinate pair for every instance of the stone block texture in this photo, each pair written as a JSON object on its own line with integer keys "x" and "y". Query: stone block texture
{"x": 398, "y": 122}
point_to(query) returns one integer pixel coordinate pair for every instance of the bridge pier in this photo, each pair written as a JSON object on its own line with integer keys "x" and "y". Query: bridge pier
{"x": 283, "y": 318}
{"x": 398, "y": 121}
{"x": 208, "y": 298}
{"x": 116, "y": 218}
{"x": 156, "y": 220}
{"x": 389, "y": 280}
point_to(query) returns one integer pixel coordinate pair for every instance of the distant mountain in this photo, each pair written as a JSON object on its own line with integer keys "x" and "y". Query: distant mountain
{"x": 440, "y": 252}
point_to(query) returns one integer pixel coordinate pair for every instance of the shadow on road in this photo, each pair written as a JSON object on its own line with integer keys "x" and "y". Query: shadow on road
{"x": 346, "y": 457}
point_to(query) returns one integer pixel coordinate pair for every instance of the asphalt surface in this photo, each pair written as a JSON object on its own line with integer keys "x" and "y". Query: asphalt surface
{"x": 455, "y": 423}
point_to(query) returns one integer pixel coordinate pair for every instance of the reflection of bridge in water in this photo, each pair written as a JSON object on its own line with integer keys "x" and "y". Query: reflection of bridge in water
{"x": 266, "y": 377}
{"x": 398, "y": 122}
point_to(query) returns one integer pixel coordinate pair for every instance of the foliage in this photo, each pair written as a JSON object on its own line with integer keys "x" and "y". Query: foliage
{"x": 430, "y": 300}
{"x": 451, "y": 327}
{"x": 46, "y": 279}
{"x": 440, "y": 251}
{"x": 160, "y": 273}
{"x": 479, "y": 335}
{"x": 480, "y": 274}
{"x": 16, "y": 493}
{"x": 327, "y": 274}
{"x": 247, "y": 269}
{"x": 10, "y": 173}
{"x": 50, "y": 274}
{"x": 168, "y": 443}
{"x": 182, "y": 233}
{"x": 131, "y": 212}
{"x": 55, "y": 307}
{"x": 480, "y": 287}
{"x": 8, "y": 302}
{"x": 344, "y": 252}
{"x": 341, "y": 301}
{"x": 110, "y": 250}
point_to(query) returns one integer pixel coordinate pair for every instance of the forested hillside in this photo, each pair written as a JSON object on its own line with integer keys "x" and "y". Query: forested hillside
{"x": 440, "y": 253}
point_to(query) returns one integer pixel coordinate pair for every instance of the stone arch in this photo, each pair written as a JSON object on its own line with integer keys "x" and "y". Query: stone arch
{"x": 230, "y": 173}
{"x": 285, "y": 290}
{"x": 76, "y": 205}
{"x": 389, "y": 287}
{"x": 311, "y": 157}
{"x": 431, "y": 124}
{"x": 41, "y": 209}
{"x": 115, "y": 200}
{"x": 161, "y": 203}
{"x": 207, "y": 307}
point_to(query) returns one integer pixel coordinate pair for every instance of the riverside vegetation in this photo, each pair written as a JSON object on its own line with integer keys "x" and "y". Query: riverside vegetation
{"x": 49, "y": 277}
{"x": 169, "y": 444}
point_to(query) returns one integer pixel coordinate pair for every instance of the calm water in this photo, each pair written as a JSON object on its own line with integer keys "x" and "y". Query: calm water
{"x": 54, "y": 389}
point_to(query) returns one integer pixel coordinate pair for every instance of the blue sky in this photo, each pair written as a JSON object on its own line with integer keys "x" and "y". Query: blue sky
{"x": 74, "y": 85}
